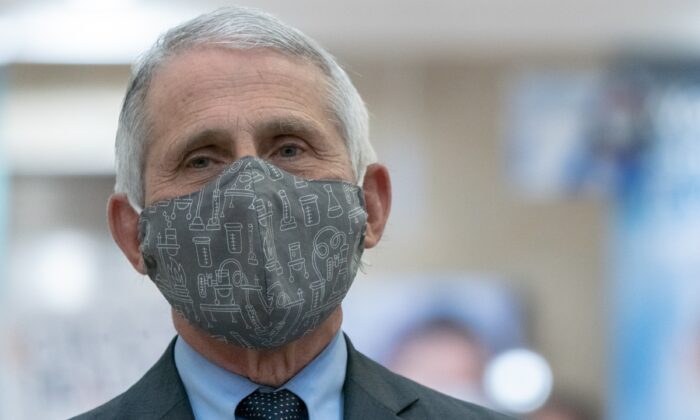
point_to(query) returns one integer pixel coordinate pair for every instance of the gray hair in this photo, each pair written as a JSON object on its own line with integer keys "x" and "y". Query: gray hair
{"x": 236, "y": 28}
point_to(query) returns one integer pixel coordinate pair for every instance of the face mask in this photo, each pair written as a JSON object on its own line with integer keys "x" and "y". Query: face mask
{"x": 258, "y": 257}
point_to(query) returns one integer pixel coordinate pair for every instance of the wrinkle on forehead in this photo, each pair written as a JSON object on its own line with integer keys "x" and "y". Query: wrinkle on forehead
{"x": 183, "y": 85}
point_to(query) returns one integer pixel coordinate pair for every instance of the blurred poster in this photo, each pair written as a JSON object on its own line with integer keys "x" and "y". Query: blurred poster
{"x": 655, "y": 333}
{"x": 572, "y": 132}
{"x": 4, "y": 382}
{"x": 441, "y": 330}
{"x": 4, "y": 190}
{"x": 548, "y": 129}
{"x": 78, "y": 326}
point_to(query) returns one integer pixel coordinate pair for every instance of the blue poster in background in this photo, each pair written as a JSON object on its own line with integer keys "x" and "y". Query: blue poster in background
{"x": 4, "y": 207}
{"x": 4, "y": 187}
{"x": 631, "y": 136}
{"x": 655, "y": 305}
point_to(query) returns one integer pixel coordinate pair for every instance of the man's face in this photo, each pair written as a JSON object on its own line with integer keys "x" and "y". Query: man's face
{"x": 210, "y": 107}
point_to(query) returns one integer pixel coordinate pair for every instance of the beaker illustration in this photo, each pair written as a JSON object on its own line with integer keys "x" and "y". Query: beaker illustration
{"x": 354, "y": 216}
{"x": 309, "y": 205}
{"x": 334, "y": 208}
{"x": 170, "y": 244}
{"x": 223, "y": 277}
{"x": 299, "y": 182}
{"x": 223, "y": 295}
{"x": 234, "y": 237}
{"x": 202, "y": 246}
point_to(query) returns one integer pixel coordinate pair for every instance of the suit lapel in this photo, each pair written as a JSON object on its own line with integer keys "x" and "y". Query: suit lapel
{"x": 369, "y": 391}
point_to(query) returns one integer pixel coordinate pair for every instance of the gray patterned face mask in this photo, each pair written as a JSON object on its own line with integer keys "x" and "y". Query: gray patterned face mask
{"x": 258, "y": 257}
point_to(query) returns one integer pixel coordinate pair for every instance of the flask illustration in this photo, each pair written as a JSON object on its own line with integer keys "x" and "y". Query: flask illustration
{"x": 334, "y": 207}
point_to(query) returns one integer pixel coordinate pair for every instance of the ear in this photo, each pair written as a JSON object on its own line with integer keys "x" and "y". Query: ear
{"x": 124, "y": 224}
{"x": 377, "y": 189}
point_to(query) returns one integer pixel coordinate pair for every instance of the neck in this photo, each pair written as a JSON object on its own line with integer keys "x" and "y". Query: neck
{"x": 271, "y": 367}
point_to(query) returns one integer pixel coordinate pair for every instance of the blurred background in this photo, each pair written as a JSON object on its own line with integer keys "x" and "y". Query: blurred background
{"x": 542, "y": 257}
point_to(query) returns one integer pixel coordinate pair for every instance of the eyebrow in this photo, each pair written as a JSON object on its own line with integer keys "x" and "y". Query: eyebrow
{"x": 289, "y": 124}
{"x": 218, "y": 136}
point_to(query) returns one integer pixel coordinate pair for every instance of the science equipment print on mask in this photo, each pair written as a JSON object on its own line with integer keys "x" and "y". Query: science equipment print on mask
{"x": 258, "y": 257}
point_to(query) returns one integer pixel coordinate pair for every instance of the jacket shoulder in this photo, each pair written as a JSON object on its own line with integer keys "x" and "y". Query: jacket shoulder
{"x": 157, "y": 395}
{"x": 113, "y": 409}
{"x": 408, "y": 399}
{"x": 434, "y": 404}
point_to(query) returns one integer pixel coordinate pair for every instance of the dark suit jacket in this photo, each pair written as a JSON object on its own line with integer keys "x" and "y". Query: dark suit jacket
{"x": 370, "y": 392}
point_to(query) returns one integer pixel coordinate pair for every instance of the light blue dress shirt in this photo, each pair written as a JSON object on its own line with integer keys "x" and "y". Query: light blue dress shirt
{"x": 215, "y": 392}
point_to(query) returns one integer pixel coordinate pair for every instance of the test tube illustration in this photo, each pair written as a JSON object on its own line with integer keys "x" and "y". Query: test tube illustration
{"x": 275, "y": 173}
{"x": 334, "y": 207}
{"x": 202, "y": 285}
{"x": 252, "y": 258}
{"x": 309, "y": 205}
{"x": 202, "y": 246}
{"x": 234, "y": 237}
{"x": 347, "y": 190}
{"x": 288, "y": 221}
{"x": 268, "y": 236}
{"x": 213, "y": 222}
{"x": 297, "y": 262}
{"x": 197, "y": 224}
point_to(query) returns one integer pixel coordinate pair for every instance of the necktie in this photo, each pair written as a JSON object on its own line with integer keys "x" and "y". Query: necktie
{"x": 278, "y": 405}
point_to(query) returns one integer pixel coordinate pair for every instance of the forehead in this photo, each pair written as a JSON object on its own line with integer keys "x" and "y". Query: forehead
{"x": 238, "y": 83}
{"x": 202, "y": 61}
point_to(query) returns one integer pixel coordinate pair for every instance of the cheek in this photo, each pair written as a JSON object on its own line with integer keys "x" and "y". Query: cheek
{"x": 160, "y": 185}
{"x": 326, "y": 169}
{"x": 163, "y": 181}
{"x": 338, "y": 165}
{"x": 155, "y": 189}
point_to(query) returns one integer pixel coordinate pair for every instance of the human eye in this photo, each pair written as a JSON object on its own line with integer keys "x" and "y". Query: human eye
{"x": 199, "y": 162}
{"x": 289, "y": 151}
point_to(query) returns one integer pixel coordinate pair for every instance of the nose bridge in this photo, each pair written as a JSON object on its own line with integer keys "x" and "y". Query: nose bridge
{"x": 244, "y": 144}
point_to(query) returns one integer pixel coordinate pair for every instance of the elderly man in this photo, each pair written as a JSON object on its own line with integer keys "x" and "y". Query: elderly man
{"x": 247, "y": 190}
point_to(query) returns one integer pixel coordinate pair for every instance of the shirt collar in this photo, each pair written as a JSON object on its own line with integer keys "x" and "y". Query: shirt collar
{"x": 215, "y": 392}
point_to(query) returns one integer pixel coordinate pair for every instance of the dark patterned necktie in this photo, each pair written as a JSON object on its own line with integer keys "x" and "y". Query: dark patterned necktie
{"x": 278, "y": 405}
